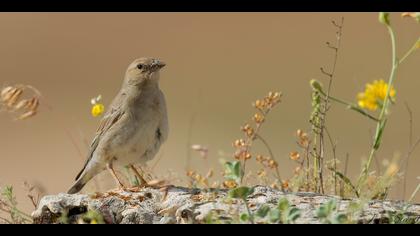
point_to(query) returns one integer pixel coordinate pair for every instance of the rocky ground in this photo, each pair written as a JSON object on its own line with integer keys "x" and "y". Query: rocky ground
{"x": 173, "y": 205}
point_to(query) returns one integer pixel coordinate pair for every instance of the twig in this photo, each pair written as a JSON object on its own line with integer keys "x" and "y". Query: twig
{"x": 257, "y": 136}
{"x": 407, "y": 157}
{"x": 266, "y": 145}
{"x": 410, "y": 142}
{"x": 414, "y": 193}
{"x": 321, "y": 150}
{"x": 346, "y": 166}
{"x": 377, "y": 163}
{"x": 410, "y": 121}
{"x": 274, "y": 99}
{"x": 333, "y": 147}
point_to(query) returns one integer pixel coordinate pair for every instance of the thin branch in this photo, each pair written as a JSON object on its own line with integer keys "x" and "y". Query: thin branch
{"x": 410, "y": 121}
{"x": 266, "y": 145}
{"x": 326, "y": 73}
{"x": 333, "y": 147}
{"x": 407, "y": 158}
{"x": 321, "y": 150}
{"x": 346, "y": 167}
{"x": 410, "y": 142}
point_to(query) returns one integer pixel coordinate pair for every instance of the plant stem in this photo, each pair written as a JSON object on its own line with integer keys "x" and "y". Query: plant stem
{"x": 382, "y": 117}
{"x": 266, "y": 145}
{"x": 333, "y": 147}
{"x": 271, "y": 154}
{"x": 412, "y": 49}
{"x": 414, "y": 193}
{"x": 251, "y": 216}
{"x": 351, "y": 106}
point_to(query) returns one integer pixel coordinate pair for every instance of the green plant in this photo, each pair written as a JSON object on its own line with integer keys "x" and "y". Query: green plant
{"x": 243, "y": 146}
{"x": 379, "y": 95}
{"x": 243, "y": 193}
{"x": 9, "y": 205}
{"x": 328, "y": 214}
{"x": 284, "y": 213}
{"x": 233, "y": 171}
{"x": 399, "y": 217}
{"x": 93, "y": 217}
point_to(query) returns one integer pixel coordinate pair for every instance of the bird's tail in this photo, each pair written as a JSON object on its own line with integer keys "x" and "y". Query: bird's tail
{"x": 80, "y": 183}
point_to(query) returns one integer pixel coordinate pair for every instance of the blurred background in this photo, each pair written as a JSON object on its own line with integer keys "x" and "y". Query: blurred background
{"x": 217, "y": 65}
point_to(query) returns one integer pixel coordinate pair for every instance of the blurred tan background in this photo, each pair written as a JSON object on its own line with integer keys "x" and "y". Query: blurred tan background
{"x": 217, "y": 65}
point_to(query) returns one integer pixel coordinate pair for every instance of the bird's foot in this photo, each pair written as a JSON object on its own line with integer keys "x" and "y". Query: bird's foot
{"x": 154, "y": 184}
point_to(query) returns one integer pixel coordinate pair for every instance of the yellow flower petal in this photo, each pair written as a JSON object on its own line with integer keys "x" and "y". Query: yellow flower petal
{"x": 97, "y": 109}
{"x": 374, "y": 95}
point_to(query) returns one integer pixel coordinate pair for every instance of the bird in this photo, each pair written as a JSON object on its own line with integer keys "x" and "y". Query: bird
{"x": 132, "y": 129}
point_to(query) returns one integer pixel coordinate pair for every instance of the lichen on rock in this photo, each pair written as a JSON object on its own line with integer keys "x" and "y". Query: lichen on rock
{"x": 172, "y": 205}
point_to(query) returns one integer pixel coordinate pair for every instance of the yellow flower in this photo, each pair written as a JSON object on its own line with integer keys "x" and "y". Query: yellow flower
{"x": 374, "y": 95}
{"x": 97, "y": 109}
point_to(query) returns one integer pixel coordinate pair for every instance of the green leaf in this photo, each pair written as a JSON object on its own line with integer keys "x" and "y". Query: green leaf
{"x": 244, "y": 217}
{"x": 340, "y": 219}
{"x": 263, "y": 211}
{"x": 378, "y": 136}
{"x": 274, "y": 215}
{"x": 241, "y": 192}
{"x": 322, "y": 212}
{"x": 233, "y": 171}
{"x": 283, "y": 204}
{"x": 316, "y": 85}
{"x": 331, "y": 205}
{"x": 345, "y": 179}
{"x": 326, "y": 210}
{"x": 294, "y": 214}
{"x": 384, "y": 18}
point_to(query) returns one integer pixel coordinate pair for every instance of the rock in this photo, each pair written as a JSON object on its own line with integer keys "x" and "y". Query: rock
{"x": 181, "y": 205}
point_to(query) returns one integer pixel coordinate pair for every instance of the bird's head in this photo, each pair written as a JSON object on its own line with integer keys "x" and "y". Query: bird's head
{"x": 143, "y": 70}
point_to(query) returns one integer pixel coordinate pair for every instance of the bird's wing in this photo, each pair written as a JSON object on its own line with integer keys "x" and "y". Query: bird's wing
{"x": 111, "y": 117}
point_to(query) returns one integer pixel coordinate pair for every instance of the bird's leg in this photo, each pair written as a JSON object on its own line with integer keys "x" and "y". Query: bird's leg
{"x": 142, "y": 180}
{"x": 111, "y": 169}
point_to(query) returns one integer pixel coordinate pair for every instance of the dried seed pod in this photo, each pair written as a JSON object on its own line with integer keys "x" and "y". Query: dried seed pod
{"x": 27, "y": 115}
{"x": 14, "y": 97}
{"x": 209, "y": 174}
{"x": 22, "y": 104}
{"x": 272, "y": 163}
{"x": 190, "y": 173}
{"x": 297, "y": 170}
{"x": 247, "y": 155}
{"x": 261, "y": 173}
{"x": 33, "y": 104}
{"x": 294, "y": 156}
{"x": 230, "y": 184}
{"x": 6, "y": 93}
{"x": 285, "y": 184}
{"x": 239, "y": 143}
{"x": 258, "y": 118}
{"x": 299, "y": 133}
{"x": 260, "y": 158}
{"x": 260, "y": 104}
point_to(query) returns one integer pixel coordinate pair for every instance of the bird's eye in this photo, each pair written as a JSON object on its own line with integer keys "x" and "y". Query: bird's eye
{"x": 140, "y": 66}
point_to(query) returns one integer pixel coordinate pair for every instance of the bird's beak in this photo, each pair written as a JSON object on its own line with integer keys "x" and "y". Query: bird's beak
{"x": 158, "y": 64}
